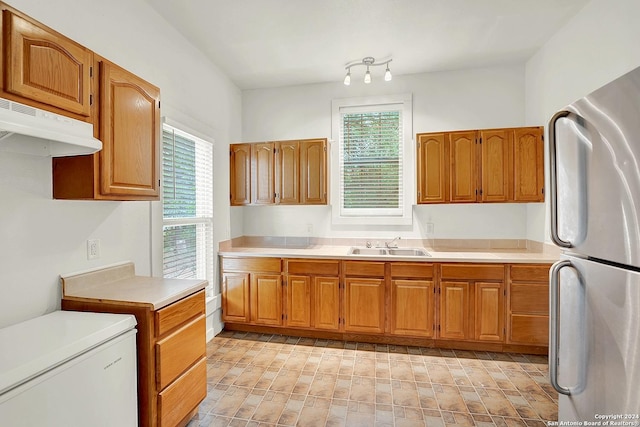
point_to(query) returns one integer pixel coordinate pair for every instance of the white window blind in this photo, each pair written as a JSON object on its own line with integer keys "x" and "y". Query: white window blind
{"x": 371, "y": 157}
{"x": 187, "y": 201}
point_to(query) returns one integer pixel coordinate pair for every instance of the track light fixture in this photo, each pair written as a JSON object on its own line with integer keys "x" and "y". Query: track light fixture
{"x": 367, "y": 61}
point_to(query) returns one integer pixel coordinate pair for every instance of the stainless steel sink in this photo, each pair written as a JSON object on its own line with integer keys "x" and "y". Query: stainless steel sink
{"x": 408, "y": 252}
{"x": 391, "y": 252}
{"x": 367, "y": 251}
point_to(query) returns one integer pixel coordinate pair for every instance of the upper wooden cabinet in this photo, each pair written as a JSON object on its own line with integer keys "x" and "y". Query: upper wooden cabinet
{"x": 43, "y": 66}
{"x": 491, "y": 165}
{"x": 528, "y": 165}
{"x": 283, "y": 172}
{"x": 240, "y": 174}
{"x": 128, "y": 167}
{"x": 130, "y": 134}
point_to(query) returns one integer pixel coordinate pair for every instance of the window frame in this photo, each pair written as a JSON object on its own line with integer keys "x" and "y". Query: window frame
{"x": 206, "y": 261}
{"x": 402, "y": 102}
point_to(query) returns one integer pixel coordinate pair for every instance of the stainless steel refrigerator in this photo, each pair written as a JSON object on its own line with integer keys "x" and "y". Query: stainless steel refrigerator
{"x": 594, "y": 345}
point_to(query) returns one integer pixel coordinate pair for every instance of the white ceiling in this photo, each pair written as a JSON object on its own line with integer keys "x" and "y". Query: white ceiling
{"x": 270, "y": 43}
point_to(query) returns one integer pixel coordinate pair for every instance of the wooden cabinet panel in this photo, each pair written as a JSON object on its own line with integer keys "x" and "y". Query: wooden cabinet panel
{"x": 364, "y": 268}
{"x": 44, "y": 66}
{"x": 313, "y": 172}
{"x": 298, "y": 301}
{"x": 495, "y": 165}
{"x": 529, "y": 329}
{"x": 326, "y": 305}
{"x": 528, "y": 163}
{"x": 433, "y": 168}
{"x": 262, "y": 172}
{"x": 530, "y": 273}
{"x": 411, "y": 269}
{"x": 489, "y": 311}
{"x": 308, "y": 266}
{"x": 412, "y": 308}
{"x": 178, "y": 400}
{"x": 463, "y": 164}
{"x": 364, "y": 305}
{"x": 454, "y": 310}
{"x": 265, "y": 292}
{"x": 287, "y": 172}
{"x": 177, "y": 313}
{"x": 530, "y": 298}
{"x": 130, "y": 134}
{"x": 473, "y": 271}
{"x": 178, "y": 351}
{"x": 235, "y": 297}
{"x": 272, "y": 265}
{"x": 240, "y": 174}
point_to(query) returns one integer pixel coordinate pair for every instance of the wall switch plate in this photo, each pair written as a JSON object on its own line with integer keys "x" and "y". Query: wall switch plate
{"x": 430, "y": 228}
{"x": 93, "y": 249}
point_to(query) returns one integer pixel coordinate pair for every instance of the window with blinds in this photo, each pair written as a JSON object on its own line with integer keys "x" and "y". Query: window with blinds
{"x": 371, "y": 155}
{"x": 187, "y": 202}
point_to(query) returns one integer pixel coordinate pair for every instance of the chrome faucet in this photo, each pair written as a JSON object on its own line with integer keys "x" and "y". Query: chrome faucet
{"x": 392, "y": 244}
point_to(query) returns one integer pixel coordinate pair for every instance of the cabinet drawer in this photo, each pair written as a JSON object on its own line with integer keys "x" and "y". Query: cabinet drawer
{"x": 355, "y": 268}
{"x": 530, "y": 298}
{"x": 319, "y": 268}
{"x": 422, "y": 271}
{"x": 178, "y": 351}
{"x": 179, "y": 312}
{"x": 529, "y": 329}
{"x": 184, "y": 395}
{"x": 272, "y": 265}
{"x": 472, "y": 272}
{"x": 530, "y": 273}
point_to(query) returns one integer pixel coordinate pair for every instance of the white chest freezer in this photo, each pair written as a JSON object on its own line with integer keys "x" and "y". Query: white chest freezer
{"x": 69, "y": 369}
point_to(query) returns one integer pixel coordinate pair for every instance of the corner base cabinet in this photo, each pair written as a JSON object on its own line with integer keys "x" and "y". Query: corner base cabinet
{"x": 172, "y": 367}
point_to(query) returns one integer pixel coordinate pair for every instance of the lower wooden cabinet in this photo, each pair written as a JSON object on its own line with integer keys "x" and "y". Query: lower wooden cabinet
{"x": 528, "y": 305}
{"x": 412, "y": 309}
{"x": 487, "y": 306}
{"x": 171, "y": 353}
{"x": 472, "y": 302}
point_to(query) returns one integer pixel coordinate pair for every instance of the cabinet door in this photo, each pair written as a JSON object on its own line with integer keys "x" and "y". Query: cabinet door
{"x": 364, "y": 300}
{"x": 44, "y": 66}
{"x": 130, "y": 134}
{"x": 235, "y": 297}
{"x": 495, "y": 165}
{"x": 240, "y": 174}
{"x": 433, "y": 168}
{"x": 326, "y": 303}
{"x": 288, "y": 172}
{"x": 489, "y": 311}
{"x": 454, "y": 310}
{"x": 262, "y": 175}
{"x": 463, "y": 166}
{"x": 299, "y": 301}
{"x": 313, "y": 172}
{"x": 266, "y": 299}
{"x": 412, "y": 308}
{"x": 528, "y": 165}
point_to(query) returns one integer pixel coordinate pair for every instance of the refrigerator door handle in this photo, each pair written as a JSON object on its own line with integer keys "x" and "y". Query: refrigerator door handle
{"x": 554, "y": 324}
{"x": 553, "y": 180}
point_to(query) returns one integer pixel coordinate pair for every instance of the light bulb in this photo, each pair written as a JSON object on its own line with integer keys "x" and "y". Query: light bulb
{"x": 367, "y": 76}
{"x": 387, "y": 74}
{"x": 347, "y": 78}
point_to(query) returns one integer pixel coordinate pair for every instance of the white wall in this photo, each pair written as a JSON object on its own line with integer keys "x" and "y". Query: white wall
{"x": 454, "y": 100}
{"x": 41, "y": 238}
{"x": 599, "y": 44}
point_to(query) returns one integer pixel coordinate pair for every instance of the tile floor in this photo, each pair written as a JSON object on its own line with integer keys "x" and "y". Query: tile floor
{"x": 275, "y": 380}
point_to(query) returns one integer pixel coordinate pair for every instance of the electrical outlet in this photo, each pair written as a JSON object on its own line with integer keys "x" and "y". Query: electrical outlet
{"x": 93, "y": 249}
{"x": 309, "y": 229}
{"x": 430, "y": 228}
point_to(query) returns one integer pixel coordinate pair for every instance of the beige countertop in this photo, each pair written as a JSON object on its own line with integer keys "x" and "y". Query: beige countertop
{"x": 118, "y": 283}
{"x": 437, "y": 255}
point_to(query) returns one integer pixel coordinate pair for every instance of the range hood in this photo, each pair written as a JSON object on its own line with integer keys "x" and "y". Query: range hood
{"x": 28, "y": 130}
